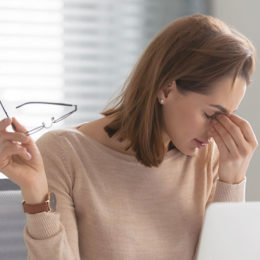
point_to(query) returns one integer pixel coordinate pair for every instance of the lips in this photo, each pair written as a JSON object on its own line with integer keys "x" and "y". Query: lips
{"x": 202, "y": 142}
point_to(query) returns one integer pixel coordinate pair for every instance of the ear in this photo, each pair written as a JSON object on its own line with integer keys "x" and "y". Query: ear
{"x": 164, "y": 92}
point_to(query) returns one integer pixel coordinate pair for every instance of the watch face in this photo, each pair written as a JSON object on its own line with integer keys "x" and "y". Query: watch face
{"x": 52, "y": 201}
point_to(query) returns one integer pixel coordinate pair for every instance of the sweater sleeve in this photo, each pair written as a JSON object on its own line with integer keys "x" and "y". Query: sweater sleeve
{"x": 51, "y": 235}
{"x": 220, "y": 191}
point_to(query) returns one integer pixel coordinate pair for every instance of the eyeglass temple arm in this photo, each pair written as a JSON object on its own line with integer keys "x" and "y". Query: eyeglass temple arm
{"x": 47, "y": 103}
{"x": 12, "y": 124}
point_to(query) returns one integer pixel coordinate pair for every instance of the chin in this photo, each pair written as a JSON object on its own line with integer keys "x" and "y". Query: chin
{"x": 189, "y": 151}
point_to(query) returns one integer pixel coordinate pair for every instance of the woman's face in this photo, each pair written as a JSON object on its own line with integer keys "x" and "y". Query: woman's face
{"x": 186, "y": 118}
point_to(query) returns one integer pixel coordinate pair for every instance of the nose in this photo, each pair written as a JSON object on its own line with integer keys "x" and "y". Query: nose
{"x": 207, "y": 135}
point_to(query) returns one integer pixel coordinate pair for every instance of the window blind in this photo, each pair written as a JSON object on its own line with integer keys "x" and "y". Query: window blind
{"x": 75, "y": 51}
{"x": 102, "y": 41}
{"x": 31, "y": 54}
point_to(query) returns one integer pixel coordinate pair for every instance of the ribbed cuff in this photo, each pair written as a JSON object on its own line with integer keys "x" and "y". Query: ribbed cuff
{"x": 230, "y": 192}
{"x": 42, "y": 225}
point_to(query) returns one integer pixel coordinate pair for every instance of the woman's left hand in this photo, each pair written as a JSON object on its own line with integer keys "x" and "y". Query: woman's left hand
{"x": 236, "y": 142}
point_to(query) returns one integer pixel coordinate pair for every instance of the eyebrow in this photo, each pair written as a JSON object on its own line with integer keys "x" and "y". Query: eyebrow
{"x": 221, "y": 108}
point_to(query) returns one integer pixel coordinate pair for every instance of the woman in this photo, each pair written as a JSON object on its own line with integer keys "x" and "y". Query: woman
{"x": 135, "y": 184}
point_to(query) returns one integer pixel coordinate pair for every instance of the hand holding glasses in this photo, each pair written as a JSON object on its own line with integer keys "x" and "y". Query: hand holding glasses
{"x": 43, "y": 125}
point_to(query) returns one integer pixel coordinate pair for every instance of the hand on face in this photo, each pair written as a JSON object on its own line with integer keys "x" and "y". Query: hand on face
{"x": 236, "y": 142}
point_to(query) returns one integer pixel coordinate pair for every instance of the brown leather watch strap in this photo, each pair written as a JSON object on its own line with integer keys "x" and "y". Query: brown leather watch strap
{"x": 38, "y": 208}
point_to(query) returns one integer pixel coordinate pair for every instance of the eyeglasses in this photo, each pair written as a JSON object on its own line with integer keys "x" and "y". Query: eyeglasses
{"x": 44, "y": 125}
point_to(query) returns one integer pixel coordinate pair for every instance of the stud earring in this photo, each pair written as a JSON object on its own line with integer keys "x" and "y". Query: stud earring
{"x": 161, "y": 101}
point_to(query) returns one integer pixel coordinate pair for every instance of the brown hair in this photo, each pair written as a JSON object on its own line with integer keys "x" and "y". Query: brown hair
{"x": 194, "y": 51}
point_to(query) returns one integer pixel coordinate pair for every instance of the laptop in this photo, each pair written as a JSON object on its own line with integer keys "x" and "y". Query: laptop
{"x": 231, "y": 231}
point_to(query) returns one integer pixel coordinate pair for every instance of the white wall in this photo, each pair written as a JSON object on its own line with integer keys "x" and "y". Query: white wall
{"x": 245, "y": 17}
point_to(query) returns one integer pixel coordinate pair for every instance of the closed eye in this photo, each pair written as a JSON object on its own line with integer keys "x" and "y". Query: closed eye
{"x": 212, "y": 116}
{"x": 209, "y": 117}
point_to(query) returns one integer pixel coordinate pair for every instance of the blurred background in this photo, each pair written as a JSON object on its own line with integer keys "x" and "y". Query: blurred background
{"x": 80, "y": 52}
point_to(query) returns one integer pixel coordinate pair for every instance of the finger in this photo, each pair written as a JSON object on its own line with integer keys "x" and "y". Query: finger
{"x": 29, "y": 143}
{"x": 20, "y": 128}
{"x": 245, "y": 127}
{"x": 233, "y": 130}
{"x": 16, "y": 136}
{"x": 225, "y": 137}
{"x": 11, "y": 149}
{"x": 218, "y": 140}
{"x": 5, "y": 123}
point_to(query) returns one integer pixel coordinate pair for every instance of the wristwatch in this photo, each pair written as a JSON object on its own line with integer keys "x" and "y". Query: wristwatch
{"x": 49, "y": 205}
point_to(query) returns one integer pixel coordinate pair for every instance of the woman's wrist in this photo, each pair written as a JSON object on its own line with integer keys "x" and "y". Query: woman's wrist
{"x": 231, "y": 181}
{"x": 35, "y": 194}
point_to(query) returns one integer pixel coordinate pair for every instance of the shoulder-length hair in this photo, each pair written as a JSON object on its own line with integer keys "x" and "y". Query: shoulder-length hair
{"x": 193, "y": 51}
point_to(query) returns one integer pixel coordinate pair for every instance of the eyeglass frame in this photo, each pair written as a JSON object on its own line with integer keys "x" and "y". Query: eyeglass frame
{"x": 53, "y": 120}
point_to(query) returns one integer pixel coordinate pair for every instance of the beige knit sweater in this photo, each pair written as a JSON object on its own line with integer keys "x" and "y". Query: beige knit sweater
{"x": 110, "y": 207}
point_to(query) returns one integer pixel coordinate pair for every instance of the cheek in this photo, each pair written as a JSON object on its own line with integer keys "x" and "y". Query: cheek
{"x": 181, "y": 117}
{"x": 200, "y": 120}
{"x": 196, "y": 123}
{"x": 184, "y": 120}
{"x": 180, "y": 125}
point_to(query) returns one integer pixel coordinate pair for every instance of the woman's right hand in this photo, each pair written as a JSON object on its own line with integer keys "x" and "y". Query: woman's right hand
{"x": 21, "y": 162}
